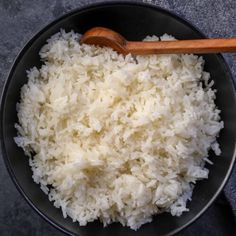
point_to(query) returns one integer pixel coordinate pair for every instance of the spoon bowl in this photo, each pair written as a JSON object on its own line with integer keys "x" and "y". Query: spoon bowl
{"x": 105, "y": 37}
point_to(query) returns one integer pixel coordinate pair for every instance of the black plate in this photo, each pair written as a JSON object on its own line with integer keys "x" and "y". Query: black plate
{"x": 134, "y": 21}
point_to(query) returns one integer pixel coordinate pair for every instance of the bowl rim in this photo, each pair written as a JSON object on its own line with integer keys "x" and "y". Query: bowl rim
{"x": 45, "y": 28}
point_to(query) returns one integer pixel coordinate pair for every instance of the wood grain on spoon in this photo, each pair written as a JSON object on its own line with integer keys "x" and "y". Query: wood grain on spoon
{"x": 105, "y": 37}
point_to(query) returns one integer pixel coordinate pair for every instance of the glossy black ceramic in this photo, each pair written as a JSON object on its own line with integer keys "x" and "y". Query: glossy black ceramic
{"x": 134, "y": 21}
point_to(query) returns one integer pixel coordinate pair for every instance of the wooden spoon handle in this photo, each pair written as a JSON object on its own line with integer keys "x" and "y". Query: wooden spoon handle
{"x": 183, "y": 46}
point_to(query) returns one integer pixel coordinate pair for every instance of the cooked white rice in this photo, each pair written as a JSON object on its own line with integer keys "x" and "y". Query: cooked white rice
{"x": 113, "y": 138}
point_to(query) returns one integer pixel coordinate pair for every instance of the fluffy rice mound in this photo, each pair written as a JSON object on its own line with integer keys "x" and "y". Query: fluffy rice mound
{"x": 117, "y": 138}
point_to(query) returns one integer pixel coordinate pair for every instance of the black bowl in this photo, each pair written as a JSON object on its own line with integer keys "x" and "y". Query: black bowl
{"x": 134, "y": 21}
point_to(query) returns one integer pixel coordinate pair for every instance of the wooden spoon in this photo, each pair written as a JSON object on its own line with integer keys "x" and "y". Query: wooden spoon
{"x": 105, "y": 37}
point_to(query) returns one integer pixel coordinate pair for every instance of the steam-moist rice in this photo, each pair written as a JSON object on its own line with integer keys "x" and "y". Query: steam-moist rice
{"x": 117, "y": 138}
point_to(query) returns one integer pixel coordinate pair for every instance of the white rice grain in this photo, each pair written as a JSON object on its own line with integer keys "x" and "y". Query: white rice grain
{"x": 116, "y": 139}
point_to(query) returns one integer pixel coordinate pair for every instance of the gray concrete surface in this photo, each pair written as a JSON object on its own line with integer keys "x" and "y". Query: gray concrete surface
{"x": 20, "y": 19}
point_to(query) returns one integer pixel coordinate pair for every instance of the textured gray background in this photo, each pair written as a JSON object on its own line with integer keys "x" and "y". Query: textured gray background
{"x": 20, "y": 19}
